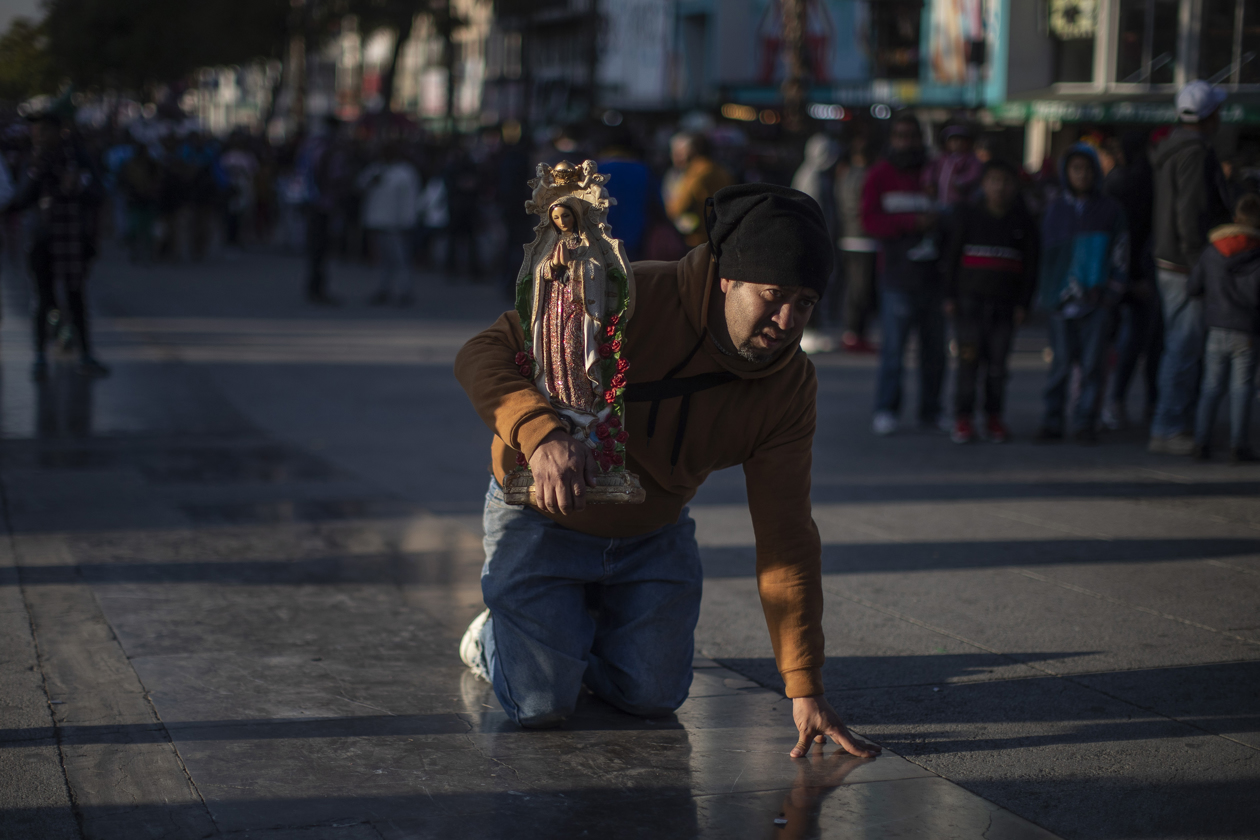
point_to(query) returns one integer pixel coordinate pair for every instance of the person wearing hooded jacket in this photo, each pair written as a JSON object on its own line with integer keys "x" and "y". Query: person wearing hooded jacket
{"x": 715, "y": 379}
{"x": 1227, "y": 279}
{"x": 1083, "y": 275}
{"x": 898, "y": 212}
{"x": 1190, "y": 200}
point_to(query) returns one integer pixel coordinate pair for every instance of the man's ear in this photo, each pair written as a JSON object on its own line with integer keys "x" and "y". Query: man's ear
{"x": 726, "y": 285}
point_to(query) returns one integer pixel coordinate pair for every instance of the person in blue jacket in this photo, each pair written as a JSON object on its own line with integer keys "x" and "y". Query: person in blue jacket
{"x": 1084, "y": 271}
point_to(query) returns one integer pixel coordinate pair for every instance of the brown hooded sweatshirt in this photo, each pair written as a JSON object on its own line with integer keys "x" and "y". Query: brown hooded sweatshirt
{"x": 763, "y": 420}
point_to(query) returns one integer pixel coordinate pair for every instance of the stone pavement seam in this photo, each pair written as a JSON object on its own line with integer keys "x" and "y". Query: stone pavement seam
{"x": 1121, "y": 603}
{"x": 11, "y": 552}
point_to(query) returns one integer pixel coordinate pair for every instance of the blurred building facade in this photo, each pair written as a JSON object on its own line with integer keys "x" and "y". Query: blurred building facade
{"x": 1035, "y": 66}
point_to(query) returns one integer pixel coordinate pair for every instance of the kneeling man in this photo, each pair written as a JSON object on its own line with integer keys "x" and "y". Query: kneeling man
{"x": 608, "y": 596}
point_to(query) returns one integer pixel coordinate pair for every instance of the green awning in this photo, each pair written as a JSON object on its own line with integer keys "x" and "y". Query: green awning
{"x": 1154, "y": 113}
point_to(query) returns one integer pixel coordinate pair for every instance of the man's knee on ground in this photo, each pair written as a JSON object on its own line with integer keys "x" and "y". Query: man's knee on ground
{"x": 541, "y": 711}
{"x": 549, "y": 719}
{"x": 649, "y": 701}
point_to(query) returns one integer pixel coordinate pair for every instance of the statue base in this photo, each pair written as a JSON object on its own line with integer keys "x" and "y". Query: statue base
{"x": 616, "y": 488}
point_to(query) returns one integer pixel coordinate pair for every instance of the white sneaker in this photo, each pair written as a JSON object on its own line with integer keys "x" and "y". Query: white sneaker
{"x": 470, "y": 647}
{"x": 884, "y": 423}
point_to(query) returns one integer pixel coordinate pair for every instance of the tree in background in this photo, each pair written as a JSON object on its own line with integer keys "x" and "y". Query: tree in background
{"x": 139, "y": 44}
{"x": 25, "y": 65}
{"x": 399, "y": 17}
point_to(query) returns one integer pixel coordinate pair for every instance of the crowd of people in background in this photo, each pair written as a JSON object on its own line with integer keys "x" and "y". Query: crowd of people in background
{"x": 1133, "y": 250}
{"x": 1136, "y": 251}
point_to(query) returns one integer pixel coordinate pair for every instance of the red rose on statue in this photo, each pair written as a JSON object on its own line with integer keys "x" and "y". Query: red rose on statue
{"x": 522, "y": 358}
{"x": 618, "y": 460}
{"x": 613, "y": 319}
{"x": 623, "y": 365}
{"x": 601, "y": 430}
{"x": 605, "y": 350}
{"x": 520, "y": 459}
{"x": 614, "y": 421}
{"x": 527, "y": 371}
{"x": 610, "y": 396}
{"x": 619, "y": 381}
{"x": 608, "y": 446}
{"x": 610, "y": 331}
{"x": 615, "y": 345}
{"x": 622, "y": 436}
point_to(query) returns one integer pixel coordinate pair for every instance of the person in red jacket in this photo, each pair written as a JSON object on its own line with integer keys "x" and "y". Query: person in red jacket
{"x": 897, "y": 212}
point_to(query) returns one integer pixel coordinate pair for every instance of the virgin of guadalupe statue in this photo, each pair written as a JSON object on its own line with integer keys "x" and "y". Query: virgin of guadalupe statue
{"x": 564, "y": 323}
{"x": 574, "y": 295}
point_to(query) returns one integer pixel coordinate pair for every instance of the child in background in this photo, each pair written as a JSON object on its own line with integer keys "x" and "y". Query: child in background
{"x": 1084, "y": 270}
{"x": 951, "y": 178}
{"x": 990, "y": 270}
{"x": 1227, "y": 277}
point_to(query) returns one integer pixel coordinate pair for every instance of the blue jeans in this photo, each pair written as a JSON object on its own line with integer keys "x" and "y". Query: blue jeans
{"x": 900, "y": 312}
{"x": 1075, "y": 341}
{"x": 1229, "y": 364}
{"x": 1179, "y": 368}
{"x": 567, "y": 608}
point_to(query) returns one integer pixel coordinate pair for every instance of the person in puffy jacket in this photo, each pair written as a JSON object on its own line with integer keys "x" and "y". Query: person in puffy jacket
{"x": 1227, "y": 279}
{"x": 1084, "y": 272}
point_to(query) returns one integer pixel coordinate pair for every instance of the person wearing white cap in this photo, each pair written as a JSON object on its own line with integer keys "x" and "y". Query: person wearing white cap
{"x": 1190, "y": 199}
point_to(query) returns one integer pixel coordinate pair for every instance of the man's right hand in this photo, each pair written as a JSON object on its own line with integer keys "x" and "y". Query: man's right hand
{"x": 563, "y": 468}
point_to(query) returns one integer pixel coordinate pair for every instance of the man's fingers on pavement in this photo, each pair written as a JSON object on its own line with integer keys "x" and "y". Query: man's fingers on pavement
{"x": 854, "y": 746}
{"x": 802, "y": 745}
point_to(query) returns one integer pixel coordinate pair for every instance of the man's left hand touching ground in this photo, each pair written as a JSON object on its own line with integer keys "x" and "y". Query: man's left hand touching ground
{"x": 816, "y": 721}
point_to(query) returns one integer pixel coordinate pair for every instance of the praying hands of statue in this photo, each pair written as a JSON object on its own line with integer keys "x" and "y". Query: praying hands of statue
{"x": 566, "y": 256}
{"x": 563, "y": 468}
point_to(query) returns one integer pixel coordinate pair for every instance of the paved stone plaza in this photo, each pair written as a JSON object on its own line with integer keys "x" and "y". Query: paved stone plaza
{"x": 236, "y": 572}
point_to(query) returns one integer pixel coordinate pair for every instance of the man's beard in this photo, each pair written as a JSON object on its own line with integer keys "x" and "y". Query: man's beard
{"x": 748, "y": 353}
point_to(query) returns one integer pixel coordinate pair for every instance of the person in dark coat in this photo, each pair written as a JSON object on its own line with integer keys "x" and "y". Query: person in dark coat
{"x": 989, "y": 272}
{"x": 1227, "y": 279}
{"x": 1084, "y": 270}
{"x": 64, "y": 188}
{"x": 1190, "y": 200}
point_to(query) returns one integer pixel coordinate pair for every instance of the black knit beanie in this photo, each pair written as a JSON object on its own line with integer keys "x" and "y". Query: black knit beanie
{"x": 762, "y": 233}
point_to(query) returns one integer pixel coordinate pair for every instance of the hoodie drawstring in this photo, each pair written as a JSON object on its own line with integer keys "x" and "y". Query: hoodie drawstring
{"x": 668, "y": 387}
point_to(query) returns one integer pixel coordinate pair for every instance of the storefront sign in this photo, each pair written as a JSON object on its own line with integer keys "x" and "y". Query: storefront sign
{"x": 1153, "y": 113}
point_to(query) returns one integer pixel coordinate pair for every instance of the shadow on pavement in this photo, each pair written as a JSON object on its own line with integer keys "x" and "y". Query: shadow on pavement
{"x": 853, "y": 558}
{"x": 437, "y": 567}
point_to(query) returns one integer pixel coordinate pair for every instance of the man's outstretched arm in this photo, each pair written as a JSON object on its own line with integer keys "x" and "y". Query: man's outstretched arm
{"x": 789, "y": 570}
